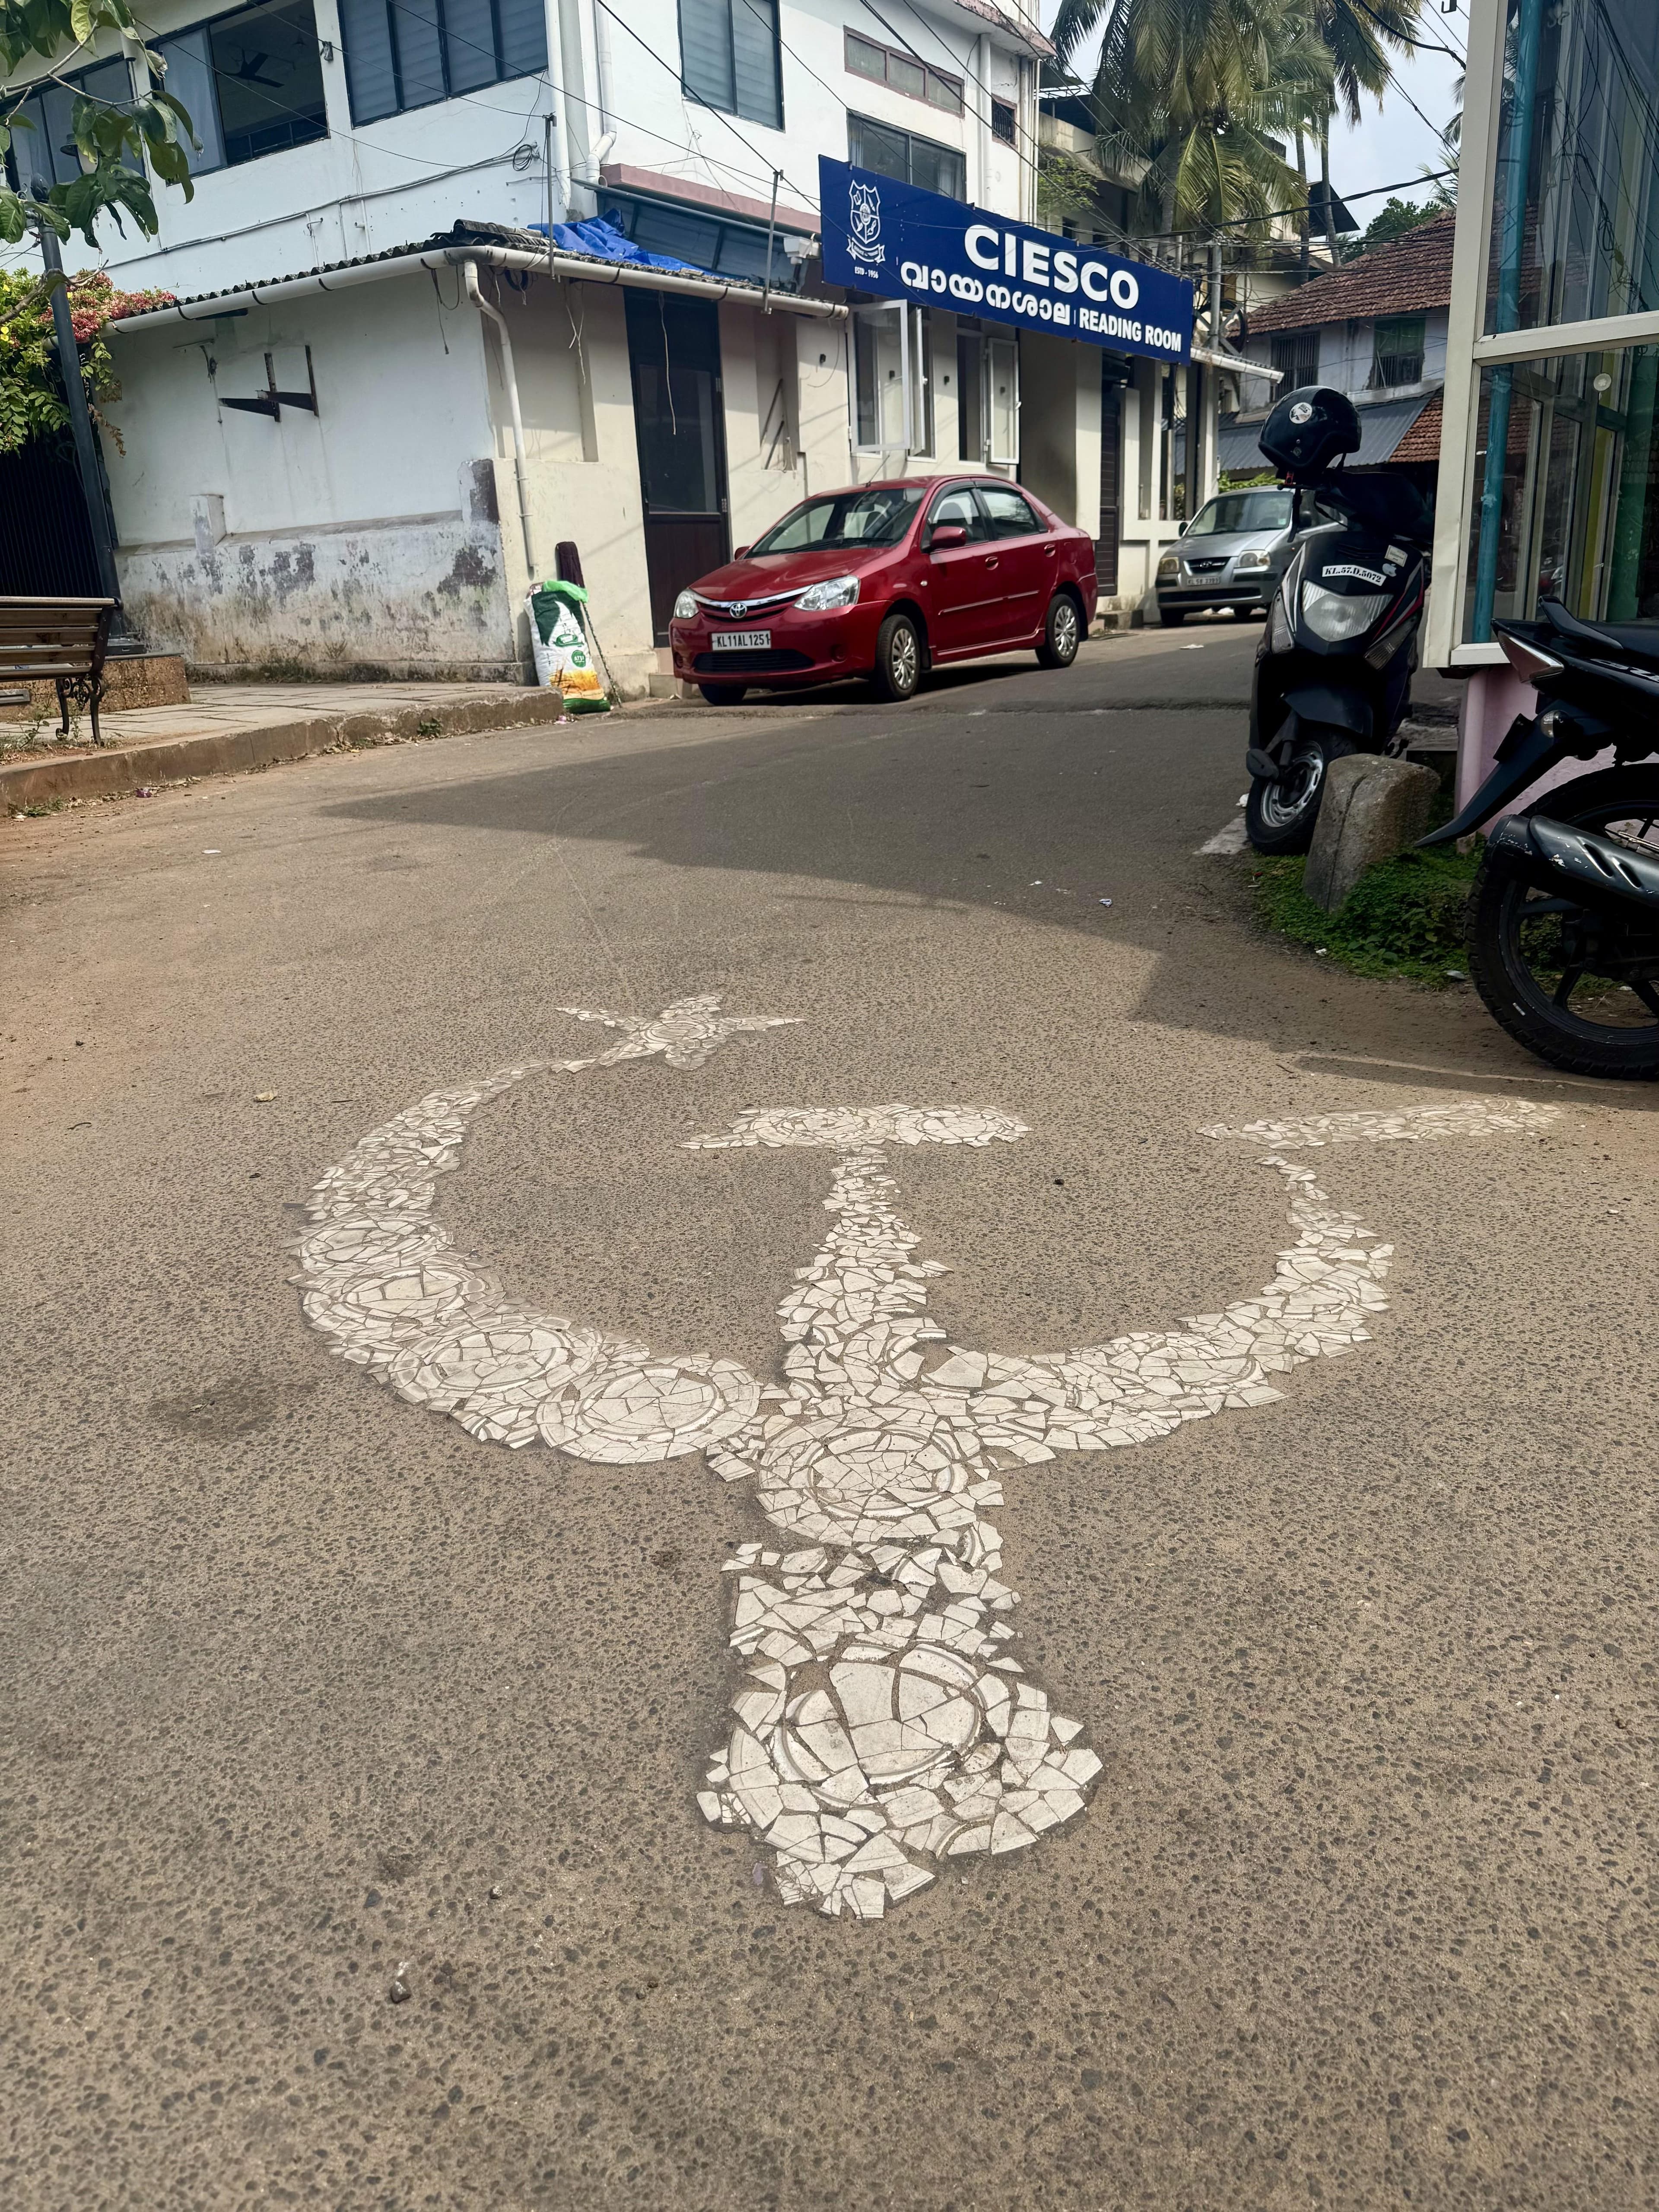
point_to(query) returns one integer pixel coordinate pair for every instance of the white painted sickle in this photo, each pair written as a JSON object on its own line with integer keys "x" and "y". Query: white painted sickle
{"x": 883, "y": 1721}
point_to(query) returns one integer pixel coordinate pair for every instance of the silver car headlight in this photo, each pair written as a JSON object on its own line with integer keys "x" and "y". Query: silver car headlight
{"x": 685, "y": 607}
{"x": 1169, "y": 569}
{"x": 834, "y": 591}
{"x": 1336, "y": 618}
{"x": 1255, "y": 560}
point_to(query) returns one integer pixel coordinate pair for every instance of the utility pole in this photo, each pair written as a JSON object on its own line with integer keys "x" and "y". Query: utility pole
{"x": 86, "y": 450}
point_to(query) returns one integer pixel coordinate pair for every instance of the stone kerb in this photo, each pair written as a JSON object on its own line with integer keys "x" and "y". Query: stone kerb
{"x": 1371, "y": 809}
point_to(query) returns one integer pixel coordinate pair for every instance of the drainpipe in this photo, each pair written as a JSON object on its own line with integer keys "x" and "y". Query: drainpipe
{"x": 470, "y": 279}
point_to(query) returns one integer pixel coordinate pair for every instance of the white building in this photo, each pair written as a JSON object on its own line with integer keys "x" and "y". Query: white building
{"x": 382, "y": 401}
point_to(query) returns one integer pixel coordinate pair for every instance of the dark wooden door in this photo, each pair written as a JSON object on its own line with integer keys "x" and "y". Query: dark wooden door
{"x": 1111, "y": 486}
{"x": 674, "y": 353}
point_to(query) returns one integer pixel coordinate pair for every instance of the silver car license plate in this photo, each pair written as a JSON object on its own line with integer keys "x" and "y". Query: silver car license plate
{"x": 742, "y": 640}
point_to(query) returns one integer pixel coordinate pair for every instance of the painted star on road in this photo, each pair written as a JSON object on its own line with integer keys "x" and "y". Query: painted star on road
{"x": 685, "y": 1034}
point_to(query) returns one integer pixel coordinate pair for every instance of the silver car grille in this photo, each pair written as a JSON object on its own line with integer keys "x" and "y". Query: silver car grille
{"x": 735, "y": 609}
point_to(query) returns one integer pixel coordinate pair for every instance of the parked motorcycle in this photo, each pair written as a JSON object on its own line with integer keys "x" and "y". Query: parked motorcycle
{"x": 1333, "y": 670}
{"x": 1563, "y": 919}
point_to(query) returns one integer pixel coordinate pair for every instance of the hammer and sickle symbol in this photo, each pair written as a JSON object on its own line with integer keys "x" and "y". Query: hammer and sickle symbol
{"x": 883, "y": 1724}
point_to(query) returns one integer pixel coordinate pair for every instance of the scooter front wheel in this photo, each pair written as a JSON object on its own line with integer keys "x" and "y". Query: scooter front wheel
{"x": 1279, "y": 816}
{"x": 1576, "y": 986}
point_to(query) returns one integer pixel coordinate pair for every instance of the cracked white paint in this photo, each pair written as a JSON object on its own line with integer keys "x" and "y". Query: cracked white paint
{"x": 883, "y": 1724}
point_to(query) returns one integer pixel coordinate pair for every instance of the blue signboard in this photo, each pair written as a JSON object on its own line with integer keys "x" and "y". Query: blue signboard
{"x": 881, "y": 236}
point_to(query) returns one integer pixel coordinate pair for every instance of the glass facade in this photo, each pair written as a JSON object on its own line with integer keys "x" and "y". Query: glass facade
{"x": 1575, "y": 204}
{"x": 1572, "y": 507}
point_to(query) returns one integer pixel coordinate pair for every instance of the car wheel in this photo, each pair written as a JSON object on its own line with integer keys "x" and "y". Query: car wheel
{"x": 1172, "y": 617}
{"x": 724, "y": 695}
{"x": 1062, "y": 633}
{"x": 898, "y": 658}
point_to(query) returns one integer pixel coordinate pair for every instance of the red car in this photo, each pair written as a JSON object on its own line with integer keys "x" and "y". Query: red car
{"x": 884, "y": 580}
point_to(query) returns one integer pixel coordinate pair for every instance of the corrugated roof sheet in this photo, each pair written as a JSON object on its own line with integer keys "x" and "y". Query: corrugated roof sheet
{"x": 462, "y": 233}
{"x": 1385, "y": 428}
{"x": 1400, "y": 278}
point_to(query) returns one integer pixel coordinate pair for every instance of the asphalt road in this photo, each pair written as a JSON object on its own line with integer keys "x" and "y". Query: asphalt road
{"x": 306, "y": 1687}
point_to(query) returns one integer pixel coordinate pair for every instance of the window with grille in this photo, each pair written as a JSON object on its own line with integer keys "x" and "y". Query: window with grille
{"x": 905, "y": 158}
{"x": 904, "y": 73}
{"x": 1296, "y": 356}
{"x": 407, "y": 53}
{"x": 1397, "y": 351}
{"x": 46, "y": 150}
{"x": 729, "y": 57}
{"x": 1002, "y": 121}
{"x": 252, "y": 82}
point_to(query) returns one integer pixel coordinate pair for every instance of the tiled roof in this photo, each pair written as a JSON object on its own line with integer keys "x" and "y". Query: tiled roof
{"x": 1401, "y": 278}
{"x": 1422, "y": 441}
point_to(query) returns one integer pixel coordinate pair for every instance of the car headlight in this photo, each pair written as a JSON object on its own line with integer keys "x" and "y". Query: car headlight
{"x": 1168, "y": 569}
{"x": 834, "y": 591}
{"x": 685, "y": 607}
{"x": 1255, "y": 560}
{"x": 1335, "y": 618}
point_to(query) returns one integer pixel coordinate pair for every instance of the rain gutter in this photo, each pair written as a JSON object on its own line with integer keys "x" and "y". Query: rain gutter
{"x": 575, "y": 267}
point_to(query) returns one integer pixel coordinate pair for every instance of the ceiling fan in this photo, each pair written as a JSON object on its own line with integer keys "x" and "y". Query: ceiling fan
{"x": 247, "y": 72}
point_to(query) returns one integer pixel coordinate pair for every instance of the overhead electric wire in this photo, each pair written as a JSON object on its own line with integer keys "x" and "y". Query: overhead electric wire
{"x": 1028, "y": 160}
{"x": 769, "y": 167}
{"x": 1423, "y": 45}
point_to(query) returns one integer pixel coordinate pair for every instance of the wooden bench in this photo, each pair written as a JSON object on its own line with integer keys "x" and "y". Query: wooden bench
{"x": 61, "y": 641}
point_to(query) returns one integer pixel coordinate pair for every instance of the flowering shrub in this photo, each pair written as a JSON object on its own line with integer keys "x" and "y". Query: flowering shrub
{"x": 31, "y": 390}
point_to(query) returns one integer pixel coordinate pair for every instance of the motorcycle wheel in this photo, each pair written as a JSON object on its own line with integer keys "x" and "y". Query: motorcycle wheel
{"x": 1279, "y": 817}
{"x": 1575, "y": 988}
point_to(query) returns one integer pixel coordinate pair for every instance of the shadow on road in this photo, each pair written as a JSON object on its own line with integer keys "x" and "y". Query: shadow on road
{"x": 1080, "y": 789}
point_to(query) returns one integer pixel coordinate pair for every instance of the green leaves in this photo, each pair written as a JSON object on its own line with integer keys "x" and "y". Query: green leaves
{"x": 111, "y": 138}
{"x": 1194, "y": 98}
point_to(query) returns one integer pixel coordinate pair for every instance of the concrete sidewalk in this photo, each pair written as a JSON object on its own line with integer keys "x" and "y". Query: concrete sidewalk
{"x": 232, "y": 726}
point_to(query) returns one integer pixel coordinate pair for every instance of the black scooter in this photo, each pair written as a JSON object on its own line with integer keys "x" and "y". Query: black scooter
{"x": 1564, "y": 920}
{"x": 1333, "y": 672}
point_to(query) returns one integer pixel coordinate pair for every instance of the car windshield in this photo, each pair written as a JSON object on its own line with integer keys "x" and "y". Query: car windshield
{"x": 1236, "y": 512}
{"x": 878, "y": 515}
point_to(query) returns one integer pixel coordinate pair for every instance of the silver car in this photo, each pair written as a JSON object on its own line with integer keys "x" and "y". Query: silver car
{"x": 1231, "y": 555}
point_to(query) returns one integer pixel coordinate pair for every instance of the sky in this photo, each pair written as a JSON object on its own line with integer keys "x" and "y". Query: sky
{"x": 1389, "y": 145}
{"x": 1392, "y": 144}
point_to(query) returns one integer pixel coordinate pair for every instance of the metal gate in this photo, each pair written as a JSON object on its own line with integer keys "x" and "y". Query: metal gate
{"x": 46, "y": 545}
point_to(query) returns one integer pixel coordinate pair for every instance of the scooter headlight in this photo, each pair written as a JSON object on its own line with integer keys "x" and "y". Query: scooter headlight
{"x": 1338, "y": 617}
{"x": 1280, "y": 636}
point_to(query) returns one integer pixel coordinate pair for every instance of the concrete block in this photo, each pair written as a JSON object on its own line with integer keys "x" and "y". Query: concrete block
{"x": 1371, "y": 808}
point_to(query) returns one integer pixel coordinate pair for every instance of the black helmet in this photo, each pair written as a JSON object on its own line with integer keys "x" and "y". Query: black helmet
{"x": 1308, "y": 429}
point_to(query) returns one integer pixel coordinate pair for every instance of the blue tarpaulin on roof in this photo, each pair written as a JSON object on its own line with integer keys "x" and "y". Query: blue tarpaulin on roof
{"x": 606, "y": 243}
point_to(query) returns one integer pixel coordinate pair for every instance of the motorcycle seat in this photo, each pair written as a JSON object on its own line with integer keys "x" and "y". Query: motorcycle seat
{"x": 1638, "y": 640}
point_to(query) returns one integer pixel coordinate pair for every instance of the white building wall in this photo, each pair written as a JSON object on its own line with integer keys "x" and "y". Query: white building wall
{"x": 382, "y": 535}
{"x": 362, "y": 538}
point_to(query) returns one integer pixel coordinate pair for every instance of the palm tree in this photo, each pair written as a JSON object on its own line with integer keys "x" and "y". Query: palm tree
{"x": 1193, "y": 97}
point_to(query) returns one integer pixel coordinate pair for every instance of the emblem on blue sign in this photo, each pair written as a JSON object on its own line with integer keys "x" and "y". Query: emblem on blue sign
{"x": 865, "y": 222}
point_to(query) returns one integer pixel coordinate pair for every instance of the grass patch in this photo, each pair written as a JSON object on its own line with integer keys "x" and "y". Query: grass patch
{"x": 1404, "y": 917}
